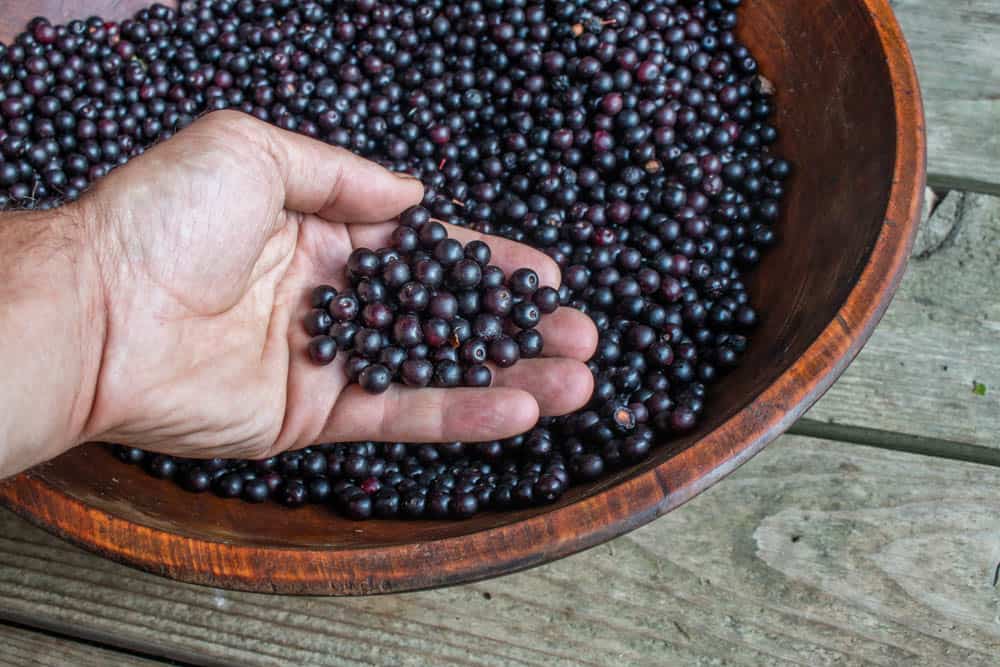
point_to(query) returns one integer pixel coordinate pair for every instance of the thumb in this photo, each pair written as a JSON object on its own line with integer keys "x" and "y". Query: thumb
{"x": 325, "y": 180}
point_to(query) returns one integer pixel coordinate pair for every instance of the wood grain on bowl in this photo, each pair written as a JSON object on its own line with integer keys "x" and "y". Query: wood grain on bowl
{"x": 851, "y": 120}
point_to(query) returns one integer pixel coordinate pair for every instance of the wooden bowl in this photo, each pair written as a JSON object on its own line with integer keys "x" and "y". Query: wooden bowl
{"x": 851, "y": 122}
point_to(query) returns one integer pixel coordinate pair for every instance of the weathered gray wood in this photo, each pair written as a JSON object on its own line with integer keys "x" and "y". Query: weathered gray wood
{"x": 815, "y": 553}
{"x": 26, "y": 648}
{"x": 940, "y": 336}
{"x": 955, "y": 47}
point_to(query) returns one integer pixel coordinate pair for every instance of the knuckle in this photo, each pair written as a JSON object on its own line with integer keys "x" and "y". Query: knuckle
{"x": 230, "y": 120}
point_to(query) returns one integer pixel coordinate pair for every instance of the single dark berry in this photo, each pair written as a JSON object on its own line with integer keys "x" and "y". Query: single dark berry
{"x": 487, "y": 327}
{"x": 530, "y": 343}
{"x": 405, "y": 239}
{"x": 479, "y": 252}
{"x": 504, "y": 352}
{"x": 322, "y": 296}
{"x": 546, "y": 299}
{"x": 474, "y": 351}
{"x": 255, "y": 491}
{"x": 498, "y": 301}
{"x": 363, "y": 263}
{"x": 162, "y": 466}
{"x": 464, "y": 505}
{"x": 523, "y": 282}
{"x": 355, "y": 365}
{"x": 369, "y": 342}
{"x": 396, "y": 274}
{"x": 229, "y": 485}
{"x": 376, "y": 316}
{"x": 417, "y": 372}
{"x": 375, "y": 379}
{"x": 322, "y": 349}
{"x": 359, "y": 507}
{"x": 466, "y": 274}
{"x": 415, "y": 217}
{"x": 437, "y": 332}
{"x": 407, "y": 331}
{"x": 196, "y": 479}
{"x": 443, "y": 305}
{"x": 344, "y": 307}
{"x": 477, "y": 376}
{"x": 392, "y": 357}
{"x": 386, "y": 504}
{"x": 447, "y": 374}
{"x": 343, "y": 333}
{"x": 525, "y": 315}
{"x": 587, "y": 466}
{"x": 431, "y": 234}
{"x": 318, "y": 322}
{"x": 318, "y": 489}
{"x": 448, "y": 252}
{"x": 413, "y": 296}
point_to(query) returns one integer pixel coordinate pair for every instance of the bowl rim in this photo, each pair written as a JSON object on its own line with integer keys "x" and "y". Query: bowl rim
{"x": 565, "y": 530}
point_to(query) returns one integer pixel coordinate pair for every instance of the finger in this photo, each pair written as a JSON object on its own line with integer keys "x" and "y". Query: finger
{"x": 322, "y": 179}
{"x": 430, "y": 415}
{"x": 511, "y": 255}
{"x": 559, "y": 386}
{"x": 568, "y": 333}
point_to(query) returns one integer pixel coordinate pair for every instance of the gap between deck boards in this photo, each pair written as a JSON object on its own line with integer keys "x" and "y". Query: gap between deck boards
{"x": 94, "y": 639}
{"x": 897, "y": 442}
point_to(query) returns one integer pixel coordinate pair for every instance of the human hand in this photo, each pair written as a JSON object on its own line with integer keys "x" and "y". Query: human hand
{"x": 208, "y": 246}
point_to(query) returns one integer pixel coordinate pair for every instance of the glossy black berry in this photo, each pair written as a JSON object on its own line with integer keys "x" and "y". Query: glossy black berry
{"x": 525, "y": 315}
{"x": 255, "y": 491}
{"x": 322, "y": 350}
{"x": 322, "y": 295}
{"x": 504, "y": 352}
{"x": 530, "y": 343}
{"x": 344, "y": 307}
{"x": 524, "y": 282}
{"x": 375, "y": 379}
{"x": 417, "y": 372}
{"x": 318, "y": 322}
{"x": 477, "y": 376}
{"x": 546, "y": 299}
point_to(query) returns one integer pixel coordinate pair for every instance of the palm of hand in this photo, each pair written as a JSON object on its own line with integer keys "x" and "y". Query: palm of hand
{"x": 207, "y": 262}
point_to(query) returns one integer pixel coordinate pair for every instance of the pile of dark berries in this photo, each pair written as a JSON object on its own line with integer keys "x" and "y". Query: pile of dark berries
{"x": 629, "y": 140}
{"x": 428, "y": 311}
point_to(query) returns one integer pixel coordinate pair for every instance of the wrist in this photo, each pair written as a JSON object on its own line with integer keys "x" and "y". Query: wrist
{"x": 91, "y": 307}
{"x": 52, "y": 320}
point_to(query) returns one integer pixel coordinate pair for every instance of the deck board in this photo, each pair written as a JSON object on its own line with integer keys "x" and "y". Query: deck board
{"x": 21, "y": 647}
{"x": 938, "y": 340}
{"x": 955, "y": 49}
{"x": 814, "y": 553}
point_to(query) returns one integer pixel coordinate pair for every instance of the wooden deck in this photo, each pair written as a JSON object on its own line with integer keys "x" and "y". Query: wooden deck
{"x": 868, "y": 536}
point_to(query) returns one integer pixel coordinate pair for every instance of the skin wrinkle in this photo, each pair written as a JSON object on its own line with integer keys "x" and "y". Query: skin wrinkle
{"x": 103, "y": 253}
{"x": 487, "y": 418}
{"x": 85, "y": 391}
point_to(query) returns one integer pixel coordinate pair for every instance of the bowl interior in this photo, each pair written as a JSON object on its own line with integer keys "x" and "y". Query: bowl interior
{"x": 837, "y": 125}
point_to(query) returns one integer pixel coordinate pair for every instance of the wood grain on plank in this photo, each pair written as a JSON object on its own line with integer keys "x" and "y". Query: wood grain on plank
{"x": 954, "y": 46}
{"x": 814, "y": 553}
{"x": 26, "y": 648}
{"x": 939, "y": 339}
